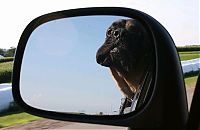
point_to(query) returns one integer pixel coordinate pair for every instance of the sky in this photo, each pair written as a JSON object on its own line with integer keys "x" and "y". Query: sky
{"x": 59, "y": 67}
{"x": 180, "y": 17}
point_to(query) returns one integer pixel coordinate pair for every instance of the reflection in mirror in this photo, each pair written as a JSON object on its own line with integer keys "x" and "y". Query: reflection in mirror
{"x": 97, "y": 65}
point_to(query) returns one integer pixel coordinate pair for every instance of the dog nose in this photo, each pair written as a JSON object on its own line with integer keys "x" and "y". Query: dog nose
{"x": 99, "y": 58}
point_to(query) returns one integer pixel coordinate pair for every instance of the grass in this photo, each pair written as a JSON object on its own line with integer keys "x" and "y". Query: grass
{"x": 6, "y": 59}
{"x": 189, "y": 55}
{"x": 189, "y": 48}
{"x": 19, "y": 118}
{"x": 191, "y": 81}
{"x": 6, "y": 71}
{"x": 6, "y": 66}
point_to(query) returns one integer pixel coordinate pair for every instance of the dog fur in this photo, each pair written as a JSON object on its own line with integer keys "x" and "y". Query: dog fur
{"x": 125, "y": 52}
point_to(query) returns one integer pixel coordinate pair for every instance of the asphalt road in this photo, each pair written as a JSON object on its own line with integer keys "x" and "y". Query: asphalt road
{"x": 77, "y": 126}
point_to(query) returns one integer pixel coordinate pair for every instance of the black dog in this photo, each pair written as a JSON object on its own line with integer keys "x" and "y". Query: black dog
{"x": 125, "y": 52}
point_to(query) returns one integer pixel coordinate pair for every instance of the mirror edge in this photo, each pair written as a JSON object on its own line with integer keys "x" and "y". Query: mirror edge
{"x": 135, "y": 118}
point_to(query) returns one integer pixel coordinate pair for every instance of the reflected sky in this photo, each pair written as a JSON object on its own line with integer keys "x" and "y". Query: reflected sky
{"x": 59, "y": 70}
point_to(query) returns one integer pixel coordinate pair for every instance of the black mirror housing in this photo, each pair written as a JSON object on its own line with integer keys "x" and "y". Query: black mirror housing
{"x": 167, "y": 106}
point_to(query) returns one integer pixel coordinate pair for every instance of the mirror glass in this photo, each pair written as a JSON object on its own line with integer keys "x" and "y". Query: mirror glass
{"x": 96, "y": 65}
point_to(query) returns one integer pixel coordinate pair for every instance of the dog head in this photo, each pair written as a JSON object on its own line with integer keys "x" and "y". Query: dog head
{"x": 125, "y": 44}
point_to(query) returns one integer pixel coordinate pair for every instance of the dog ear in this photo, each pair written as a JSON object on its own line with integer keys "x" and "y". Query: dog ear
{"x": 133, "y": 26}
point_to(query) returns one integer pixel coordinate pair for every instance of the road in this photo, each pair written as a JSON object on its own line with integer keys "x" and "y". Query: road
{"x": 190, "y": 92}
{"x": 45, "y": 124}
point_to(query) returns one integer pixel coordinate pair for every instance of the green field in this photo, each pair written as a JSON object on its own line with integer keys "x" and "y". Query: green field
{"x": 6, "y": 66}
{"x": 191, "y": 81}
{"x": 188, "y": 48}
{"x": 6, "y": 59}
{"x": 6, "y": 71}
{"x": 14, "y": 119}
{"x": 189, "y": 55}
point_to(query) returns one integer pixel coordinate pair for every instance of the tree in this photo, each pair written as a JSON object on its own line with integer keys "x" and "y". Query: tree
{"x": 2, "y": 52}
{"x": 100, "y": 113}
{"x": 10, "y": 52}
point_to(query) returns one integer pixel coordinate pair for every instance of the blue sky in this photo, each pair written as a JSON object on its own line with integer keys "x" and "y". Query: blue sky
{"x": 60, "y": 67}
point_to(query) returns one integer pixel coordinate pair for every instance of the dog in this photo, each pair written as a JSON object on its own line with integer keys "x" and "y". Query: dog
{"x": 125, "y": 51}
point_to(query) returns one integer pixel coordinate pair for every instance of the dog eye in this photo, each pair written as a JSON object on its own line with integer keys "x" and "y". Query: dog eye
{"x": 109, "y": 32}
{"x": 116, "y": 33}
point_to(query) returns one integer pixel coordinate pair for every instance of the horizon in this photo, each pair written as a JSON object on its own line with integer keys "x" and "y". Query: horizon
{"x": 188, "y": 45}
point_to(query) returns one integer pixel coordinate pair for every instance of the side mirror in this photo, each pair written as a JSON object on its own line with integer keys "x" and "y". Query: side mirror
{"x": 100, "y": 65}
